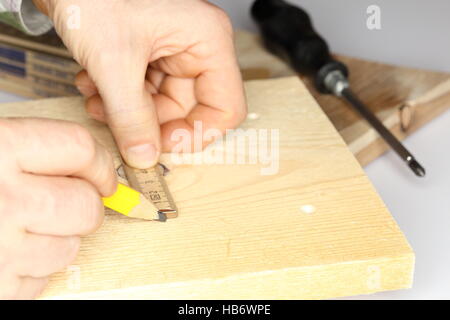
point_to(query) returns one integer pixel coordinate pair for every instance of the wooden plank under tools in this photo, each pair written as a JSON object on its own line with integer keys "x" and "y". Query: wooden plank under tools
{"x": 314, "y": 229}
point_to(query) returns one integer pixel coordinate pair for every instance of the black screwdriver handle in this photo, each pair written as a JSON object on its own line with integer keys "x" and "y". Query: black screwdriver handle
{"x": 288, "y": 32}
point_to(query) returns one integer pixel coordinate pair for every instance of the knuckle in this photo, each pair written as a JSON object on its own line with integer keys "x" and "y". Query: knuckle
{"x": 48, "y": 201}
{"x": 237, "y": 116}
{"x": 86, "y": 143}
{"x": 93, "y": 210}
{"x": 222, "y": 17}
{"x": 82, "y": 78}
{"x": 61, "y": 253}
{"x": 241, "y": 115}
{"x": 132, "y": 120}
{"x": 71, "y": 250}
{"x": 108, "y": 177}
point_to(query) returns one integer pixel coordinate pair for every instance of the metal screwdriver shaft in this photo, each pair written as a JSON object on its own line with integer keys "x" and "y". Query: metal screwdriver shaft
{"x": 336, "y": 82}
{"x": 287, "y": 31}
{"x": 396, "y": 145}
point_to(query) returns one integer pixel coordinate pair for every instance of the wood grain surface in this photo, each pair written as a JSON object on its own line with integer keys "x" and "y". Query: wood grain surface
{"x": 315, "y": 229}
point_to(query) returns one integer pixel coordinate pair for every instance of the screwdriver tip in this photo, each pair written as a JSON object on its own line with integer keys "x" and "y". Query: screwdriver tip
{"x": 417, "y": 168}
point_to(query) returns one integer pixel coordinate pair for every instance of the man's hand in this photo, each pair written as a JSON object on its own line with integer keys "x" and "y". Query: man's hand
{"x": 153, "y": 66}
{"x": 53, "y": 175}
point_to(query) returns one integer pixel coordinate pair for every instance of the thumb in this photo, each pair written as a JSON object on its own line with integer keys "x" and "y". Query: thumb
{"x": 130, "y": 111}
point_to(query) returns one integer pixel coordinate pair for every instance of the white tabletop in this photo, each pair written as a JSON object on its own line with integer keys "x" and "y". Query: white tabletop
{"x": 420, "y": 206}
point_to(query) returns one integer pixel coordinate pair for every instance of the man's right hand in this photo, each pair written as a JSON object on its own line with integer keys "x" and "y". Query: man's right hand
{"x": 53, "y": 175}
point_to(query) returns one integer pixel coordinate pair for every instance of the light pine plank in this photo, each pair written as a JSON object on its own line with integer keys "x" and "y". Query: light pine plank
{"x": 243, "y": 235}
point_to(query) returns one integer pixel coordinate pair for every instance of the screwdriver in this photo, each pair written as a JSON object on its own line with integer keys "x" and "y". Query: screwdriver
{"x": 288, "y": 32}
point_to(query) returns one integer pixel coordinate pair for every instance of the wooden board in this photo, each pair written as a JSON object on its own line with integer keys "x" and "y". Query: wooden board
{"x": 316, "y": 229}
{"x": 384, "y": 88}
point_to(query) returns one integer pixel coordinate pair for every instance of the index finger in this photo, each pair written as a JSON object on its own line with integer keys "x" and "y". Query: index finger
{"x": 59, "y": 148}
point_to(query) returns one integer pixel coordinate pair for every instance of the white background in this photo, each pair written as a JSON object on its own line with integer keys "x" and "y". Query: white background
{"x": 414, "y": 33}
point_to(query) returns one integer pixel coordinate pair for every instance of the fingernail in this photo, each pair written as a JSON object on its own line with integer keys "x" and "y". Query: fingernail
{"x": 143, "y": 156}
